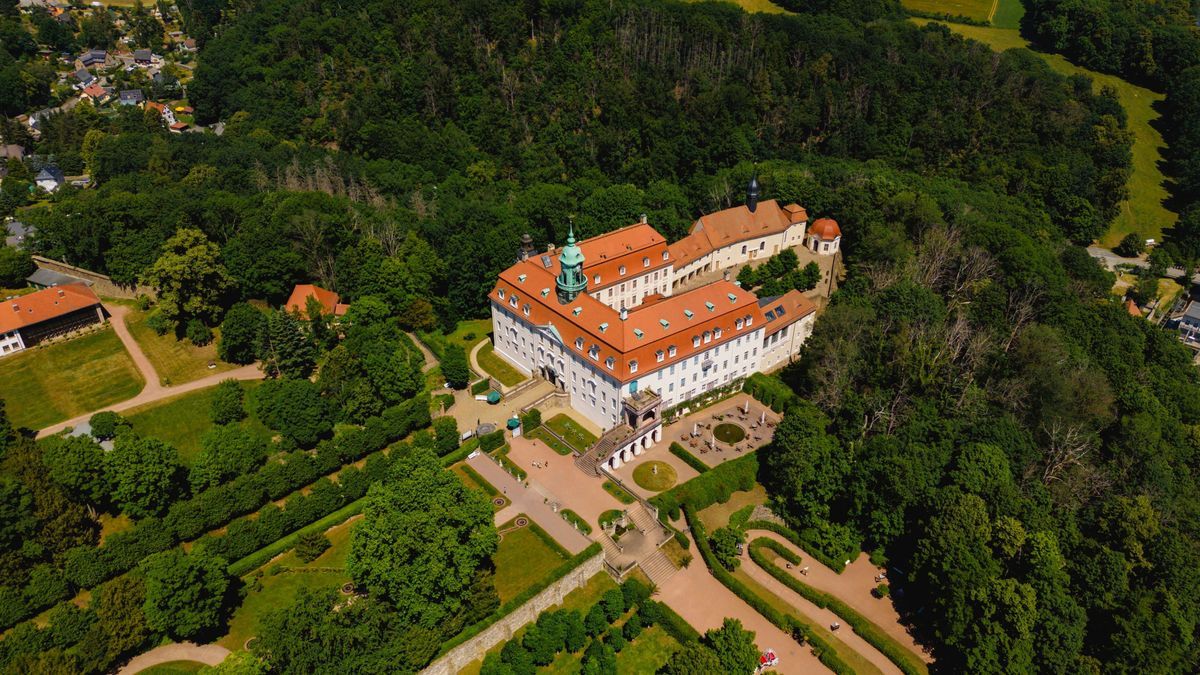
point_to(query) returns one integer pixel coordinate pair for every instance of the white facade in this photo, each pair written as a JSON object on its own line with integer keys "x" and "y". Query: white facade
{"x": 11, "y": 342}
{"x": 629, "y": 292}
{"x": 780, "y": 347}
{"x": 742, "y": 252}
{"x": 824, "y": 246}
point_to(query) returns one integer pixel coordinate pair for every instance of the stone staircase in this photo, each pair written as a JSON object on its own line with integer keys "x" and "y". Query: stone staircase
{"x": 658, "y": 567}
{"x": 589, "y": 461}
{"x": 642, "y": 519}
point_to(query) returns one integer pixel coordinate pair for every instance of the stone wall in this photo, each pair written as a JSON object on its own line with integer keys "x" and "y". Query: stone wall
{"x": 458, "y": 658}
{"x": 101, "y": 283}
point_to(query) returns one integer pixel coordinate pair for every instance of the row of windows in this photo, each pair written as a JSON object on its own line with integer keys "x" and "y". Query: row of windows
{"x": 645, "y": 263}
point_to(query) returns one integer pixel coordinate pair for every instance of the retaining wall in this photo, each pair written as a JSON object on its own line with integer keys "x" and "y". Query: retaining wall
{"x": 101, "y": 283}
{"x": 458, "y": 658}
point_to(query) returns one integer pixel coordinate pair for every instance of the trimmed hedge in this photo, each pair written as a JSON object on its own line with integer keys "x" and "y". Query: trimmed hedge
{"x": 786, "y": 622}
{"x": 264, "y": 555}
{"x": 791, "y": 535}
{"x": 904, "y": 659}
{"x": 781, "y": 550}
{"x": 461, "y": 453}
{"x": 770, "y": 390}
{"x": 518, "y": 600}
{"x": 489, "y": 442}
{"x": 484, "y": 485}
{"x": 88, "y": 566}
{"x": 715, "y": 485}
{"x": 575, "y": 520}
{"x": 481, "y": 387}
{"x": 688, "y": 458}
{"x": 673, "y": 624}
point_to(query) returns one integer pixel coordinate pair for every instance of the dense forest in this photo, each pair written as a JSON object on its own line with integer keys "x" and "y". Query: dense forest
{"x": 973, "y": 406}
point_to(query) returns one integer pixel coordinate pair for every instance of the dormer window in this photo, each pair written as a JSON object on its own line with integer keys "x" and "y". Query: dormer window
{"x": 622, "y": 270}
{"x": 645, "y": 262}
{"x": 671, "y": 351}
{"x": 596, "y": 279}
{"x": 665, "y": 255}
{"x": 707, "y": 337}
{"x": 579, "y": 344}
{"x": 717, "y": 333}
{"x": 749, "y": 320}
{"x": 696, "y": 341}
{"x": 610, "y": 362}
{"x": 525, "y": 309}
{"x": 521, "y": 278}
{"x": 594, "y": 352}
{"x": 738, "y": 324}
{"x": 658, "y": 356}
{"x": 512, "y": 300}
{"x": 633, "y": 366}
{"x": 501, "y": 293}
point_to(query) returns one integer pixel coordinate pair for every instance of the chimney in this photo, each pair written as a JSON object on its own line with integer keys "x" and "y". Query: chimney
{"x": 624, "y": 314}
{"x": 16, "y": 307}
{"x": 726, "y": 275}
{"x": 550, "y": 248}
{"x": 60, "y": 293}
{"x": 643, "y": 219}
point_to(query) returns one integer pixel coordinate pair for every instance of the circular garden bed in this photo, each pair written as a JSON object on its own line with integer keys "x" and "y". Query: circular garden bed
{"x": 730, "y": 433}
{"x": 655, "y": 476}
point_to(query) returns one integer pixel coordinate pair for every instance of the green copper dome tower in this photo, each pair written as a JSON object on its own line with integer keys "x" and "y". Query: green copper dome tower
{"x": 571, "y": 280}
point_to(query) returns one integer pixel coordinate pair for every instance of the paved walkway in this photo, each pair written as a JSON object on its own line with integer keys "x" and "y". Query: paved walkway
{"x": 154, "y": 390}
{"x": 585, "y": 494}
{"x": 532, "y": 501}
{"x": 853, "y": 587}
{"x": 702, "y": 601}
{"x": 469, "y": 413}
{"x": 209, "y": 655}
{"x": 430, "y": 360}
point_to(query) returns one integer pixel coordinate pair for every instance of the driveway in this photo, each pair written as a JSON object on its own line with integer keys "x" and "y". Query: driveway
{"x": 210, "y": 655}
{"x": 703, "y": 602}
{"x": 154, "y": 390}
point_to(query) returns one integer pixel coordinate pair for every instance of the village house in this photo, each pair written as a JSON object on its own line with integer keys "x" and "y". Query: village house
{"x": 50, "y": 179}
{"x": 132, "y": 97}
{"x": 331, "y": 304}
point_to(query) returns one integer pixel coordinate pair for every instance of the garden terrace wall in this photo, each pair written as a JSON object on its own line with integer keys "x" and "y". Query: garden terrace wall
{"x": 586, "y": 565}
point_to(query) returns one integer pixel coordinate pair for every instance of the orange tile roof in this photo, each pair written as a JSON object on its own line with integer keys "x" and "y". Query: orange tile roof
{"x": 1132, "y": 308}
{"x": 298, "y": 301}
{"x": 661, "y": 324}
{"x": 730, "y": 226}
{"x": 605, "y": 254}
{"x": 826, "y": 229}
{"x": 94, "y": 91}
{"x": 794, "y": 306}
{"x": 46, "y": 304}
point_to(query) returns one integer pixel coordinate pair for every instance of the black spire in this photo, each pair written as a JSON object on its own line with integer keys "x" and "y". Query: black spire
{"x": 752, "y": 193}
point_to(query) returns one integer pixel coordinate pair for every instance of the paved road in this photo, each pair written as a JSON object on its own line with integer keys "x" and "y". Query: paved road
{"x": 154, "y": 390}
{"x": 430, "y": 359}
{"x": 532, "y": 502}
{"x": 210, "y": 655}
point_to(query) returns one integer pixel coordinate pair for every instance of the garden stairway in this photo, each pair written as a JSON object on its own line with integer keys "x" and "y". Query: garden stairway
{"x": 644, "y": 522}
{"x": 658, "y": 567}
{"x": 589, "y": 461}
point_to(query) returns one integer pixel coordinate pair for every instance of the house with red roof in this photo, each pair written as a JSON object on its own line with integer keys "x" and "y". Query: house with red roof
{"x": 331, "y": 304}
{"x": 29, "y": 319}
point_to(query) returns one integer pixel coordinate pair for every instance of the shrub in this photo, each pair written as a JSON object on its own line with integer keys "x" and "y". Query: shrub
{"x": 454, "y": 366}
{"x": 614, "y": 604}
{"x": 197, "y": 333}
{"x": 481, "y": 387}
{"x": 1131, "y": 246}
{"x": 688, "y": 458}
{"x": 724, "y": 544}
{"x": 489, "y": 442}
{"x": 771, "y": 390}
{"x": 310, "y": 546}
{"x": 633, "y": 627}
{"x": 445, "y": 431}
{"x": 615, "y": 639}
{"x": 710, "y": 487}
{"x": 227, "y": 403}
{"x": 596, "y": 621}
{"x": 882, "y": 591}
{"x": 105, "y": 425}
{"x": 634, "y": 592}
{"x": 159, "y": 323}
{"x": 531, "y": 420}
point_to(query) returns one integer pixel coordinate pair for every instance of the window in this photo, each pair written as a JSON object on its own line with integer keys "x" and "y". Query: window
{"x": 743, "y": 249}
{"x": 738, "y": 324}
{"x": 594, "y": 352}
{"x": 645, "y": 262}
{"x": 512, "y": 300}
{"x": 525, "y": 309}
{"x": 596, "y": 279}
{"x": 664, "y": 255}
{"x": 762, "y": 245}
{"x": 717, "y": 333}
{"x": 749, "y": 320}
{"x": 501, "y": 293}
{"x": 696, "y": 341}
{"x": 609, "y": 362}
{"x": 633, "y": 366}
{"x": 579, "y": 343}
{"x": 658, "y": 356}
{"x": 622, "y": 270}
{"x": 671, "y": 351}
{"x": 707, "y": 337}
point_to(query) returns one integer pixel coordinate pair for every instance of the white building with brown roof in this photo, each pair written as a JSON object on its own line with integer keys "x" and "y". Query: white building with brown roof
{"x": 600, "y": 320}
{"x": 29, "y": 319}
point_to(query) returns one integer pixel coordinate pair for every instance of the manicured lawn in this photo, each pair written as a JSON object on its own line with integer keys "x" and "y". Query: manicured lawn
{"x": 555, "y": 444}
{"x": 497, "y": 367}
{"x": 174, "y": 667}
{"x": 618, "y": 492}
{"x": 467, "y": 334}
{"x": 728, "y": 432}
{"x": 1008, "y": 14}
{"x": 473, "y": 480}
{"x": 182, "y": 420}
{"x": 979, "y": 10}
{"x": 522, "y": 560}
{"x": 1143, "y": 213}
{"x": 175, "y": 361}
{"x": 575, "y": 435}
{"x": 646, "y": 476}
{"x": 718, "y": 515}
{"x": 648, "y": 652}
{"x": 44, "y": 385}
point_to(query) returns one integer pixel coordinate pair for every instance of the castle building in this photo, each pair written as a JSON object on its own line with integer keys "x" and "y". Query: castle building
{"x": 610, "y": 321}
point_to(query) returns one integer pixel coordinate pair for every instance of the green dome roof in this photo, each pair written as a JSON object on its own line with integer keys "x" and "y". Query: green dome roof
{"x": 571, "y": 255}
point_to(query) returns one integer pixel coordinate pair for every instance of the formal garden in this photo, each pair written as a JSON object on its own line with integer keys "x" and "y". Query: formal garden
{"x": 526, "y": 556}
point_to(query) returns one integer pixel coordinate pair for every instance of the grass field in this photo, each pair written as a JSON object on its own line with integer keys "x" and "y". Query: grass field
{"x": 1143, "y": 213}
{"x": 174, "y": 668}
{"x": 466, "y": 334}
{"x": 646, "y": 477}
{"x": 473, "y": 480}
{"x": 575, "y": 435}
{"x": 765, "y": 6}
{"x": 175, "y": 361}
{"x": 618, "y": 492}
{"x": 554, "y": 444}
{"x": 497, "y": 367}
{"x": 183, "y": 419}
{"x": 718, "y": 515}
{"x": 44, "y": 385}
{"x": 979, "y": 10}
{"x": 522, "y": 560}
